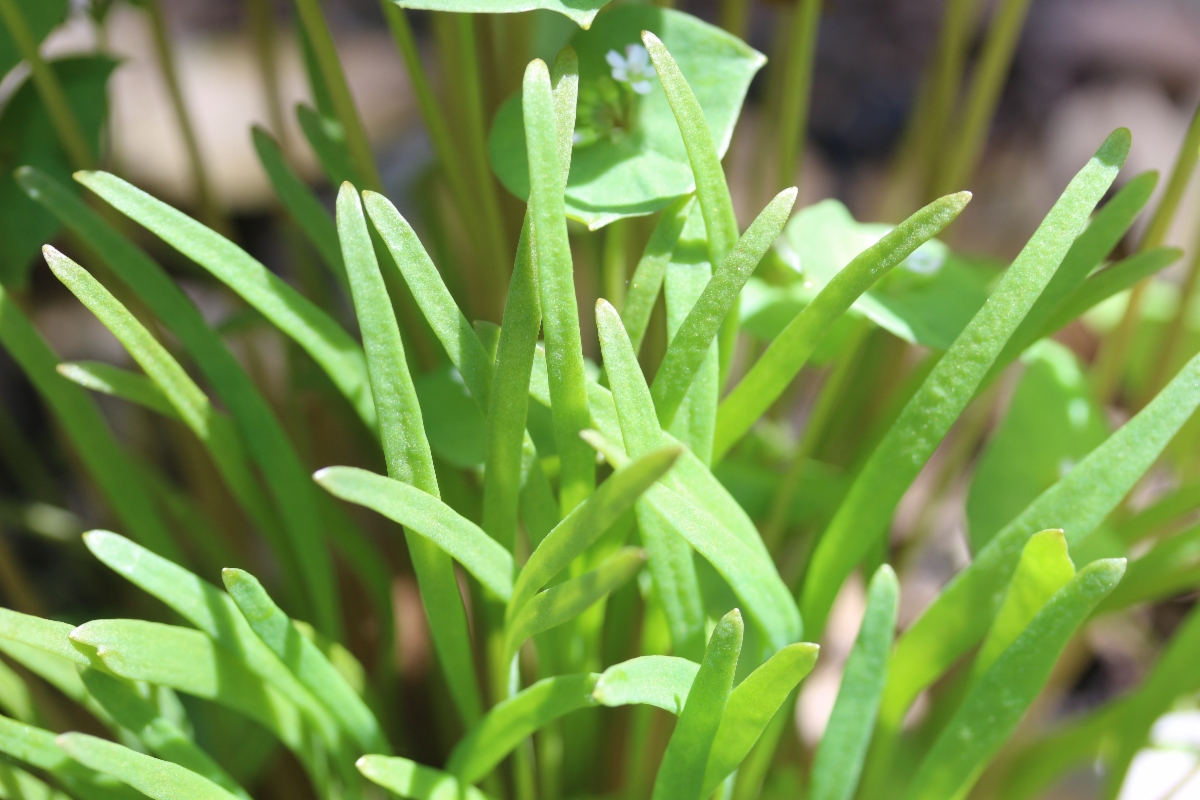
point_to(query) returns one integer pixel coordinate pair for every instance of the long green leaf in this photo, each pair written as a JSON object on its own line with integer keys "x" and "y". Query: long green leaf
{"x": 712, "y": 191}
{"x": 791, "y": 349}
{"x": 688, "y": 348}
{"x": 681, "y": 773}
{"x": 661, "y": 681}
{"x": 556, "y": 279}
{"x": 412, "y": 780}
{"x": 17, "y": 784}
{"x": 424, "y": 514}
{"x": 1110, "y": 281}
{"x": 752, "y": 704}
{"x": 116, "y": 382}
{"x": 1077, "y": 504}
{"x": 304, "y": 659}
{"x": 210, "y": 610}
{"x": 328, "y": 344}
{"x": 651, "y": 268}
{"x": 997, "y": 701}
{"x": 106, "y": 462}
{"x": 406, "y": 448}
{"x": 839, "y": 758}
{"x": 513, "y": 720}
{"x": 161, "y": 780}
{"x": 60, "y": 671}
{"x": 37, "y": 748}
{"x": 190, "y": 405}
{"x": 190, "y": 662}
{"x": 586, "y": 523}
{"x": 567, "y": 600}
{"x": 863, "y": 516}
{"x": 164, "y": 738}
{"x": 302, "y": 205}
{"x": 292, "y": 490}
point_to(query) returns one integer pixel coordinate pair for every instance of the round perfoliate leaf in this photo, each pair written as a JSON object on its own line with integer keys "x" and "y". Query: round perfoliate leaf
{"x": 629, "y": 158}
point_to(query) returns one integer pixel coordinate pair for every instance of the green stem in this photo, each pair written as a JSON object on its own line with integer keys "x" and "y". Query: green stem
{"x": 166, "y": 59}
{"x": 1172, "y": 342}
{"x": 262, "y": 30}
{"x": 334, "y": 78}
{"x": 50, "y": 90}
{"x": 735, "y": 16}
{"x": 613, "y": 263}
{"x": 989, "y": 79}
{"x": 797, "y": 88}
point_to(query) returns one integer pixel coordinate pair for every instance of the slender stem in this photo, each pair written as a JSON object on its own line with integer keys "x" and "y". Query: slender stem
{"x": 797, "y": 88}
{"x": 50, "y": 90}
{"x": 614, "y": 263}
{"x": 495, "y": 272}
{"x": 334, "y": 78}
{"x": 735, "y": 16}
{"x": 1172, "y": 341}
{"x": 989, "y": 79}
{"x": 261, "y": 21}
{"x": 943, "y": 86}
{"x": 166, "y": 59}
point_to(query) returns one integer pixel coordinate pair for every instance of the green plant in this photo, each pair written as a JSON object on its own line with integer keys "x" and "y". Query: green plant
{"x": 637, "y": 537}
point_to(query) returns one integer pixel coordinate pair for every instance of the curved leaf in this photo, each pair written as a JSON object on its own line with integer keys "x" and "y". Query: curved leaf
{"x": 662, "y": 681}
{"x": 161, "y": 780}
{"x": 412, "y": 780}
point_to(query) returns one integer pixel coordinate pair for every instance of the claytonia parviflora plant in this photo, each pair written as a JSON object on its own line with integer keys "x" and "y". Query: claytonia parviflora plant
{"x": 567, "y": 469}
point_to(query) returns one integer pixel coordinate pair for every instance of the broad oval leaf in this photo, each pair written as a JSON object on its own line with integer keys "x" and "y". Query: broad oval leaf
{"x": 642, "y": 170}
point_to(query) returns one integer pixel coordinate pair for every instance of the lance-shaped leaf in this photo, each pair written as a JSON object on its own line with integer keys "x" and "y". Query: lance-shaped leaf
{"x": 327, "y": 138}
{"x": 304, "y": 659}
{"x": 996, "y": 702}
{"x": 690, "y": 344}
{"x": 426, "y": 515}
{"x": 863, "y": 516}
{"x": 556, "y": 281}
{"x": 106, "y": 462}
{"x": 48, "y": 662}
{"x": 405, "y": 447}
{"x": 320, "y": 336}
{"x": 681, "y": 773}
{"x": 839, "y": 758}
{"x": 586, "y": 523}
{"x": 164, "y": 738}
{"x": 36, "y": 747}
{"x": 161, "y": 780}
{"x": 302, "y": 205}
{"x": 1077, "y": 504}
{"x": 415, "y": 781}
{"x": 209, "y": 609}
{"x": 192, "y": 406}
{"x": 567, "y": 600}
{"x": 788, "y": 352}
{"x": 17, "y": 784}
{"x": 43, "y": 634}
{"x": 661, "y": 681}
{"x": 752, "y": 704}
{"x": 15, "y": 698}
{"x": 190, "y": 662}
{"x": 116, "y": 382}
{"x": 651, "y": 268}
{"x": 1110, "y": 281}
{"x": 636, "y": 164}
{"x": 513, "y": 720}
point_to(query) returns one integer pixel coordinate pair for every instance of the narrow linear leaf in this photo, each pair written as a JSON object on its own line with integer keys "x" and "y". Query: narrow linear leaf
{"x": 791, "y": 349}
{"x": 1077, "y": 504}
{"x": 838, "y": 762}
{"x": 569, "y": 599}
{"x": 648, "y": 276}
{"x": 160, "y": 734}
{"x": 687, "y": 350}
{"x": 586, "y": 523}
{"x": 1110, "y": 281}
{"x": 556, "y": 279}
{"x": 328, "y": 344}
{"x": 116, "y": 382}
{"x": 406, "y": 448}
{"x": 752, "y": 705}
{"x": 997, "y": 702}
{"x": 302, "y": 205}
{"x": 681, "y": 773}
{"x": 426, "y": 515}
{"x": 42, "y": 634}
{"x": 60, "y": 672}
{"x": 161, "y": 780}
{"x": 304, "y": 659}
{"x": 415, "y": 781}
{"x": 105, "y": 460}
{"x": 513, "y": 720}
{"x": 17, "y": 784}
{"x": 864, "y": 513}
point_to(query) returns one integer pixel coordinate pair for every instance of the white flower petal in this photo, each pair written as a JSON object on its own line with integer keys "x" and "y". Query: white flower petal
{"x": 642, "y": 87}
{"x": 615, "y": 60}
{"x": 637, "y": 56}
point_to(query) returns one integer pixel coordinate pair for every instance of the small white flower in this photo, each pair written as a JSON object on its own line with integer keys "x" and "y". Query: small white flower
{"x": 633, "y": 68}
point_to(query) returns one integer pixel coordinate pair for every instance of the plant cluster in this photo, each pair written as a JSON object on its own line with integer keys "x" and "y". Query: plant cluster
{"x": 643, "y": 531}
